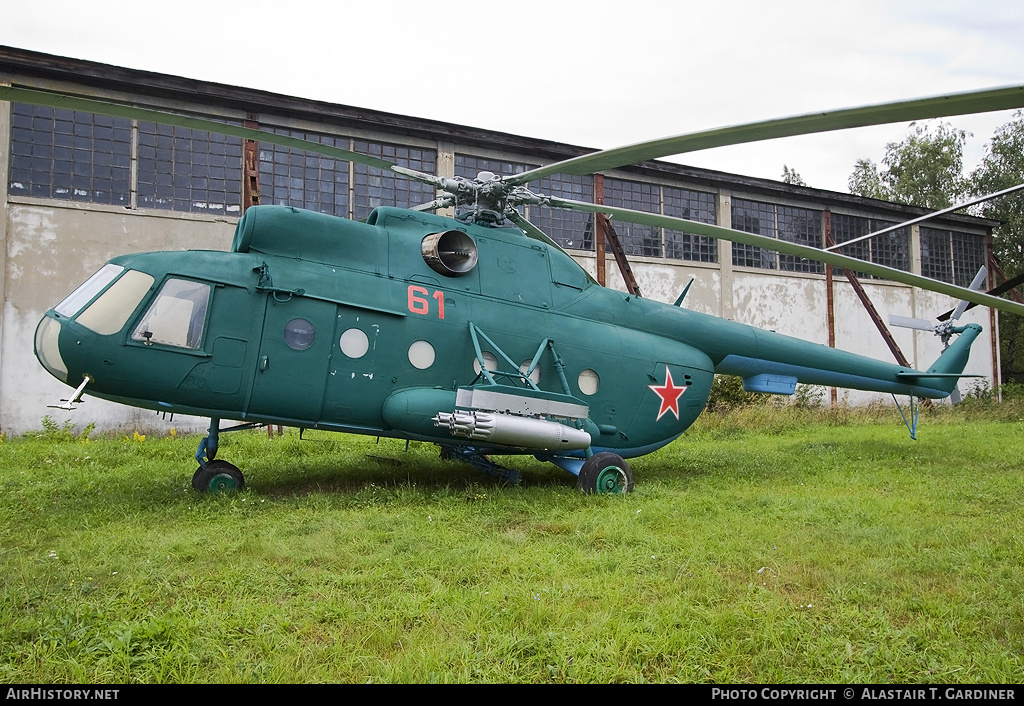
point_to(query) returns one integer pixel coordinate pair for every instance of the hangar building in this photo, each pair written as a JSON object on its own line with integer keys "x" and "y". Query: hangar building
{"x": 81, "y": 188}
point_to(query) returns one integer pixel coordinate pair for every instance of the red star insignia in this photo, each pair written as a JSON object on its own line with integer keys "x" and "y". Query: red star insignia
{"x": 669, "y": 395}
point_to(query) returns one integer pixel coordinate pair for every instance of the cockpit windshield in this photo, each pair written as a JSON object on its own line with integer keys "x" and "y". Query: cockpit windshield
{"x": 111, "y": 309}
{"x": 74, "y": 302}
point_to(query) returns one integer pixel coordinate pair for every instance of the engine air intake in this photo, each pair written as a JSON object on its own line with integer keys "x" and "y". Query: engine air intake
{"x": 451, "y": 253}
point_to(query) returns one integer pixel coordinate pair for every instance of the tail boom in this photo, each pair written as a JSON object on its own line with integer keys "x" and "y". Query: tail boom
{"x": 782, "y": 362}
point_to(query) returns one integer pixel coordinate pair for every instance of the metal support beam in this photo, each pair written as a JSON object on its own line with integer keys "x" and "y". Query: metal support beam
{"x": 251, "y": 197}
{"x": 830, "y": 302}
{"x": 604, "y": 226}
{"x": 1006, "y": 285}
{"x": 599, "y": 231}
{"x": 251, "y": 168}
{"x": 605, "y": 233}
{"x": 879, "y": 324}
{"x": 870, "y": 308}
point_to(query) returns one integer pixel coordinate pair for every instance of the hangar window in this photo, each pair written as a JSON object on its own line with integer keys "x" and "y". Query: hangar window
{"x": 949, "y": 256}
{"x": 294, "y": 177}
{"x": 68, "y": 154}
{"x": 795, "y": 225}
{"x": 641, "y": 196}
{"x": 375, "y": 187}
{"x": 670, "y": 201}
{"x": 180, "y": 169}
{"x": 469, "y": 166}
{"x": 694, "y": 206}
{"x": 570, "y": 229}
{"x": 889, "y": 249}
{"x": 968, "y": 257}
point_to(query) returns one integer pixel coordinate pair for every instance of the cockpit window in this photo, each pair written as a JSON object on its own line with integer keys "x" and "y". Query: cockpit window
{"x": 111, "y": 309}
{"x": 177, "y": 315}
{"x": 74, "y": 302}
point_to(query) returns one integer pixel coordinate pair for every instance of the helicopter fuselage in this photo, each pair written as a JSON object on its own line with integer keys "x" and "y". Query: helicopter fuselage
{"x": 378, "y": 328}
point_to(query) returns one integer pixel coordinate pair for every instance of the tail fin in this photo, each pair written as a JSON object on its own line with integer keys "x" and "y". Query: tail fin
{"x": 947, "y": 370}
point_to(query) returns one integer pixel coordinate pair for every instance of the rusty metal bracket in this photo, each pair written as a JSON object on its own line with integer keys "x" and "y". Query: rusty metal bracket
{"x": 870, "y": 307}
{"x": 251, "y": 168}
{"x": 604, "y": 233}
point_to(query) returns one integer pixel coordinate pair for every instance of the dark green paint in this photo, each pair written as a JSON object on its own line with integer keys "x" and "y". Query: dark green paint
{"x": 340, "y": 275}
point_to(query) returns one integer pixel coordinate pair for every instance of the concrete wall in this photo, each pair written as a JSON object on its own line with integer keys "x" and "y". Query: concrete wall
{"x": 51, "y": 248}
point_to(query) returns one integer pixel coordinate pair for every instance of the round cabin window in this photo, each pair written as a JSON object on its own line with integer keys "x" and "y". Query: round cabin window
{"x": 354, "y": 343}
{"x": 299, "y": 334}
{"x": 421, "y": 355}
{"x": 589, "y": 382}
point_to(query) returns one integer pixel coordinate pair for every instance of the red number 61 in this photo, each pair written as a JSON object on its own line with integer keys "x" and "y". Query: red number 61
{"x": 419, "y": 302}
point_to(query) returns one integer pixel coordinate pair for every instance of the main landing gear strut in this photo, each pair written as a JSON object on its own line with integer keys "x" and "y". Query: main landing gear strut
{"x": 467, "y": 454}
{"x": 215, "y": 475}
{"x": 603, "y": 473}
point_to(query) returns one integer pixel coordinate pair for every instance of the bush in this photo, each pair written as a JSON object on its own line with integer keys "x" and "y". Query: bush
{"x": 727, "y": 393}
{"x": 52, "y": 431}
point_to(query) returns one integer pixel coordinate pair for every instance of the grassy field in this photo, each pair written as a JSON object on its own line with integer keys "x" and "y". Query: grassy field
{"x": 766, "y": 545}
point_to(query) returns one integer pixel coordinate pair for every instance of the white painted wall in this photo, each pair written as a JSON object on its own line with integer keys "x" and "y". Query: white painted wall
{"x": 51, "y": 248}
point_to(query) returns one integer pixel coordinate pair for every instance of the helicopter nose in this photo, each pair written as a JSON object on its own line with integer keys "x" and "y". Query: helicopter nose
{"x": 47, "y": 348}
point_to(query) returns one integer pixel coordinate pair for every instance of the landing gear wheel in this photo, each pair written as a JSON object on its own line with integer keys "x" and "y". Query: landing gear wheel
{"x": 605, "y": 473}
{"x": 218, "y": 477}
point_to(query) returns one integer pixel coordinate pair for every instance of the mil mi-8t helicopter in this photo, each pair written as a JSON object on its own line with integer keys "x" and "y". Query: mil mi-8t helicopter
{"x": 476, "y": 333}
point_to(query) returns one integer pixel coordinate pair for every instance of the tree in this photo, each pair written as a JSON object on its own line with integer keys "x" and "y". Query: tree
{"x": 1000, "y": 168}
{"x": 792, "y": 176}
{"x": 867, "y": 181}
{"x": 926, "y": 169}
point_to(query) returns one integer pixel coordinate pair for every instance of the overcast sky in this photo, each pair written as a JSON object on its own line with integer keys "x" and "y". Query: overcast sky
{"x": 594, "y": 73}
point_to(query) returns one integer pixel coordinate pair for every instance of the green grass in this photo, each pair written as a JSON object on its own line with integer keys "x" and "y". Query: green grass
{"x": 766, "y": 545}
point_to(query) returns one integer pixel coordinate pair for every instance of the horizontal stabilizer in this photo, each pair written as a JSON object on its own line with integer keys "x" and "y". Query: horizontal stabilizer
{"x": 772, "y": 384}
{"x": 917, "y": 374}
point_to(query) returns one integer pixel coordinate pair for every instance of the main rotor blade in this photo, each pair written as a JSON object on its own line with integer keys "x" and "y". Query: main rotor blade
{"x": 1004, "y": 287}
{"x": 120, "y": 110}
{"x": 901, "y": 111}
{"x": 787, "y": 248}
{"x": 928, "y": 216}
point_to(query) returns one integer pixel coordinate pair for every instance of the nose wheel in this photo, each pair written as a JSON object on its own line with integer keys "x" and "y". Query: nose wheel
{"x": 218, "y": 477}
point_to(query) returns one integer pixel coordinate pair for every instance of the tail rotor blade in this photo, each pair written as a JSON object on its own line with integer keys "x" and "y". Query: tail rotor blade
{"x": 1001, "y": 289}
{"x": 979, "y": 279}
{"x": 908, "y": 322}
